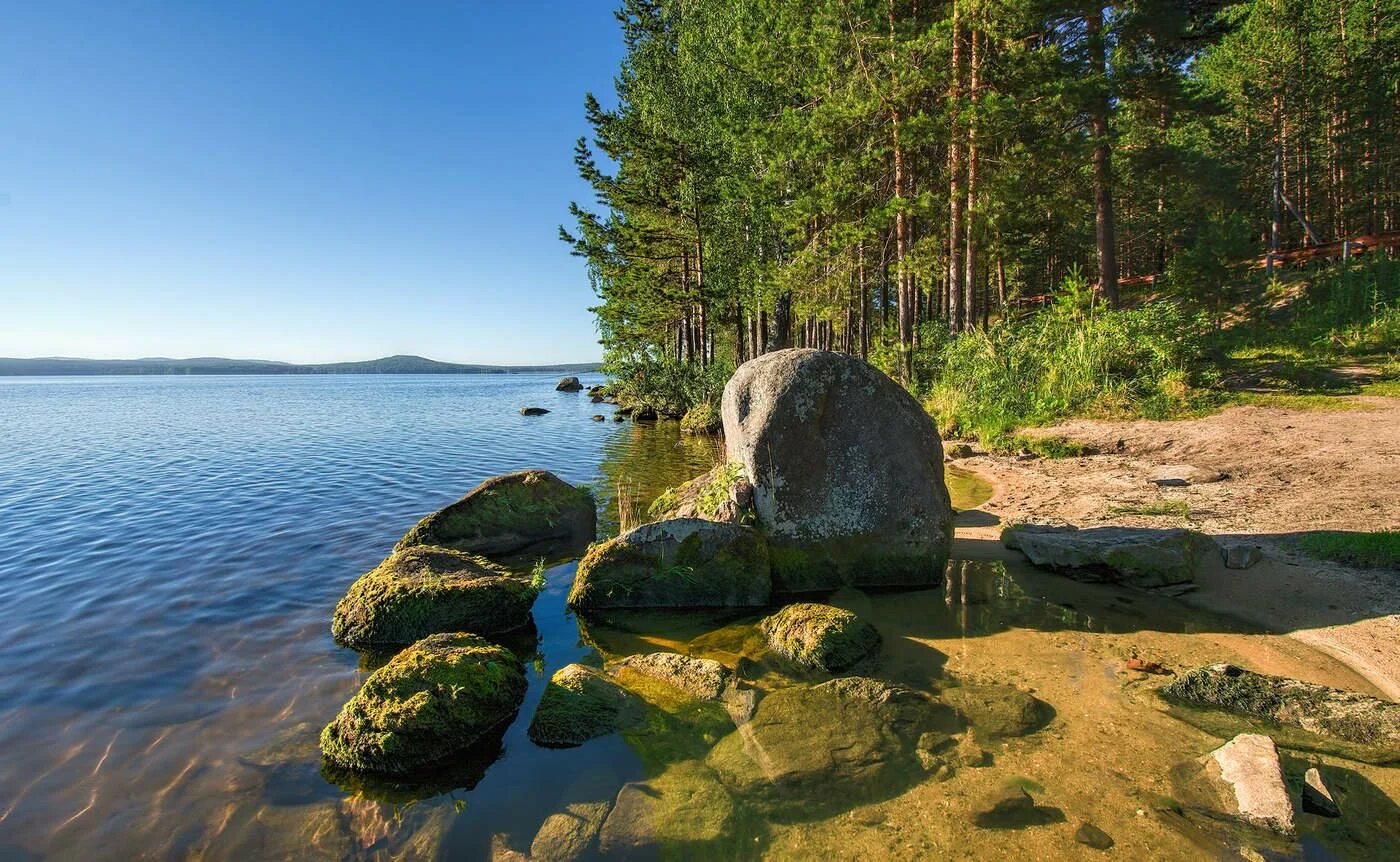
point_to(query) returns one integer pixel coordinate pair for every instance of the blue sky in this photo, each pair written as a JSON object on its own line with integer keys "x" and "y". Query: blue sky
{"x": 306, "y": 181}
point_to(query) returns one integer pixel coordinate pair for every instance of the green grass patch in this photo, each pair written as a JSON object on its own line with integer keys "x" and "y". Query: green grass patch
{"x": 1173, "y": 508}
{"x": 1298, "y": 401}
{"x": 1387, "y": 388}
{"x": 1050, "y": 446}
{"x": 1379, "y": 549}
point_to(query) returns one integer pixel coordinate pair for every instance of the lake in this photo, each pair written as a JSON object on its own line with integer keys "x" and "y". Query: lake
{"x": 173, "y": 548}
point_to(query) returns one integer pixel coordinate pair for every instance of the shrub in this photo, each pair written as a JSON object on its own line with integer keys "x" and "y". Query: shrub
{"x": 669, "y": 387}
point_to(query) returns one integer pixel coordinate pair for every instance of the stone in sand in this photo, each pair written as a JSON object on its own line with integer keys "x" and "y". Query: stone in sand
{"x": 424, "y": 590}
{"x": 1135, "y": 556}
{"x": 683, "y": 562}
{"x": 430, "y": 702}
{"x": 510, "y": 513}
{"x": 1240, "y": 555}
{"x": 820, "y": 637}
{"x": 847, "y": 471}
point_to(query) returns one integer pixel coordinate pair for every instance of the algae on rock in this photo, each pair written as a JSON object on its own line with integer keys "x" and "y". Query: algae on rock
{"x": 581, "y": 703}
{"x": 420, "y": 591}
{"x": 430, "y": 701}
{"x": 510, "y": 513}
{"x": 820, "y": 637}
{"x": 685, "y": 562}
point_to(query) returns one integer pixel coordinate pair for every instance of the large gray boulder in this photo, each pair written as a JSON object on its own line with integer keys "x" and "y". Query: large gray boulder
{"x": 1138, "y": 557}
{"x": 847, "y": 472}
{"x": 680, "y": 563}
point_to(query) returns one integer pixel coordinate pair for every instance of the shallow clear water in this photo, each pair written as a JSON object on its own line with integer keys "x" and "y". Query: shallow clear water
{"x": 172, "y": 548}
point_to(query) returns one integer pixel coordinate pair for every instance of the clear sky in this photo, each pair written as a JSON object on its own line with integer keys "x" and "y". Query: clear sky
{"x": 295, "y": 180}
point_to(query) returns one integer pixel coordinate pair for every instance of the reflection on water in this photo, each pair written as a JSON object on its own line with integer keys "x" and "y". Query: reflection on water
{"x": 174, "y": 549}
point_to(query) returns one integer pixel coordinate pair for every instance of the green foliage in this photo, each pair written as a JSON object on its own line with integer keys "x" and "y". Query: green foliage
{"x": 1170, "y": 508}
{"x": 1379, "y": 549}
{"x": 1049, "y": 447}
{"x": 666, "y": 386}
{"x": 1073, "y": 358}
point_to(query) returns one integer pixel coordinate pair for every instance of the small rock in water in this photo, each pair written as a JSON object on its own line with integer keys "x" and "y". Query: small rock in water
{"x": 701, "y": 678}
{"x": 1241, "y": 555}
{"x": 533, "y": 411}
{"x": 598, "y": 417}
{"x": 1317, "y": 799}
{"x": 1009, "y": 805}
{"x": 1092, "y": 836}
{"x": 569, "y": 384}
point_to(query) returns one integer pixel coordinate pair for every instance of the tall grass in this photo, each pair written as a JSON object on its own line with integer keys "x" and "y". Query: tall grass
{"x": 1344, "y": 310}
{"x": 1075, "y": 358}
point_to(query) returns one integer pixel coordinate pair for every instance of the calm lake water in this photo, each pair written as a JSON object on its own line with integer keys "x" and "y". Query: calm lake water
{"x": 171, "y": 552}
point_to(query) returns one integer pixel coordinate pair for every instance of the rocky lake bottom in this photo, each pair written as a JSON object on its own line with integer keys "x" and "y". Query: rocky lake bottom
{"x": 175, "y": 549}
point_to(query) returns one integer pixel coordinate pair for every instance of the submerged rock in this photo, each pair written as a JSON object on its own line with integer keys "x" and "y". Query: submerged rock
{"x": 684, "y": 562}
{"x": 581, "y": 703}
{"x": 533, "y": 411}
{"x": 684, "y": 812}
{"x": 997, "y": 711}
{"x": 569, "y": 384}
{"x": 701, "y": 678}
{"x": 723, "y": 494}
{"x": 820, "y": 637}
{"x": 847, "y": 471}
{"x": 1007, "y": 806}
{"x": 1242, "y": 779}
{"x": 568, "y": 835}
{"x": 811, "y": 751}
{"x": 1317, "y": 798}
{"x": 423, "y": 590}
{"x": 1136, "y": 556}
{"x": 510, "y": 513}
{"x": 1092, "y": 836}
{"x": 428, "y": 703}
{"x": 1328, "y": 712}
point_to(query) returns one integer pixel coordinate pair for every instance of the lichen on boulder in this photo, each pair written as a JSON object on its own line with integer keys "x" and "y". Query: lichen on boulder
{"x": 820, "y": 637}
{"x": 722, "y": 494}
{"x": 581, "y": 703}
{"x": 847, "y": 471}
{"x": 430, "y": 701}
{"x": 683, "y": 562}
{"x": 419, "y": 591}
{"x": 510, "y": 513}
{"x": 1138, "y": 557}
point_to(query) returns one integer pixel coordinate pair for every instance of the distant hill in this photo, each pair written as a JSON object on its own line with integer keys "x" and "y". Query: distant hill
{"x": 215, "y": 365}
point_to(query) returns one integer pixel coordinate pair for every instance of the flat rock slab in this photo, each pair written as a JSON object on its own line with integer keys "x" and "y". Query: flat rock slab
{"x": 701, "y": 678}
{"x": 1138, "y": 557}
{"x": 1241, "y": 779}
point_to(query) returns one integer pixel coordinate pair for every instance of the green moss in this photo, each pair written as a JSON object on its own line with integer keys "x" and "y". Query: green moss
{"x": 422, "y": 590}
{"x": 429, "y": 702}
{"x": 708, "y": 492}
{"x": 1379, "y": 549}
{"x": 578, "y": 704}
{"x": 508, "y": 513}
{"x": 820, "y": 637}
{"x": 1157, "y": 508}
{"x": 620, "y": 574}
{"x": 1046, "y": 447}
{"x": 703, "y": 418}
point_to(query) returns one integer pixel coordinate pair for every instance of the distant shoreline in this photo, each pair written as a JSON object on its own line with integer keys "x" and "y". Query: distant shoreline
{"x": 160, "y": 366}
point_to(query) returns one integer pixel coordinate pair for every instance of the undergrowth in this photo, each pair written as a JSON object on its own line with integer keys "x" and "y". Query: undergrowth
{"x": 1379, "y": 549}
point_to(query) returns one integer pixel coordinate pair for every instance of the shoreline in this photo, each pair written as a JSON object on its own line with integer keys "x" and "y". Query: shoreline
{"x": 1285, "y": 472}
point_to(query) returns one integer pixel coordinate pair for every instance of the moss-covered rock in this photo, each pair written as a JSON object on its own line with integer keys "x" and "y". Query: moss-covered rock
{"x": 428, "y": 703}
{"x": 701, "y": 678}
{"x": 997, "y": 711}
{"x": 581, "y": 703}
{"x": 703, "y": 418}
{"x": 684, "y": 562}
{"x": 723, "y": 494}
{"x": 683, "y": 813}
{"x": 820, "y": 637}
{"x": 510, "y": 513}
{"x": 813, "y": 751}
{"x": 420, "y": 591}
{"x": 1370, "y": 724}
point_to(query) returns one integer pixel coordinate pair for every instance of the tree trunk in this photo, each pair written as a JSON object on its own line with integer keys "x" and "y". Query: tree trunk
{"x": 1103, "y": 161}
{"x": 970, "y": 261}
{"x": 957, "y": 196}
{"x": 782, "y": 323}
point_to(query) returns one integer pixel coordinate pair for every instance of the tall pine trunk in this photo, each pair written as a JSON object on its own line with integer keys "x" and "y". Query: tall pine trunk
{"x": 957, "y": 196}
{"x": 1103, "y": 160}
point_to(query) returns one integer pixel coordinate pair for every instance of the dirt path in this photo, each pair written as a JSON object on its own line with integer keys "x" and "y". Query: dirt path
{"x": 1255, "y": 474}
